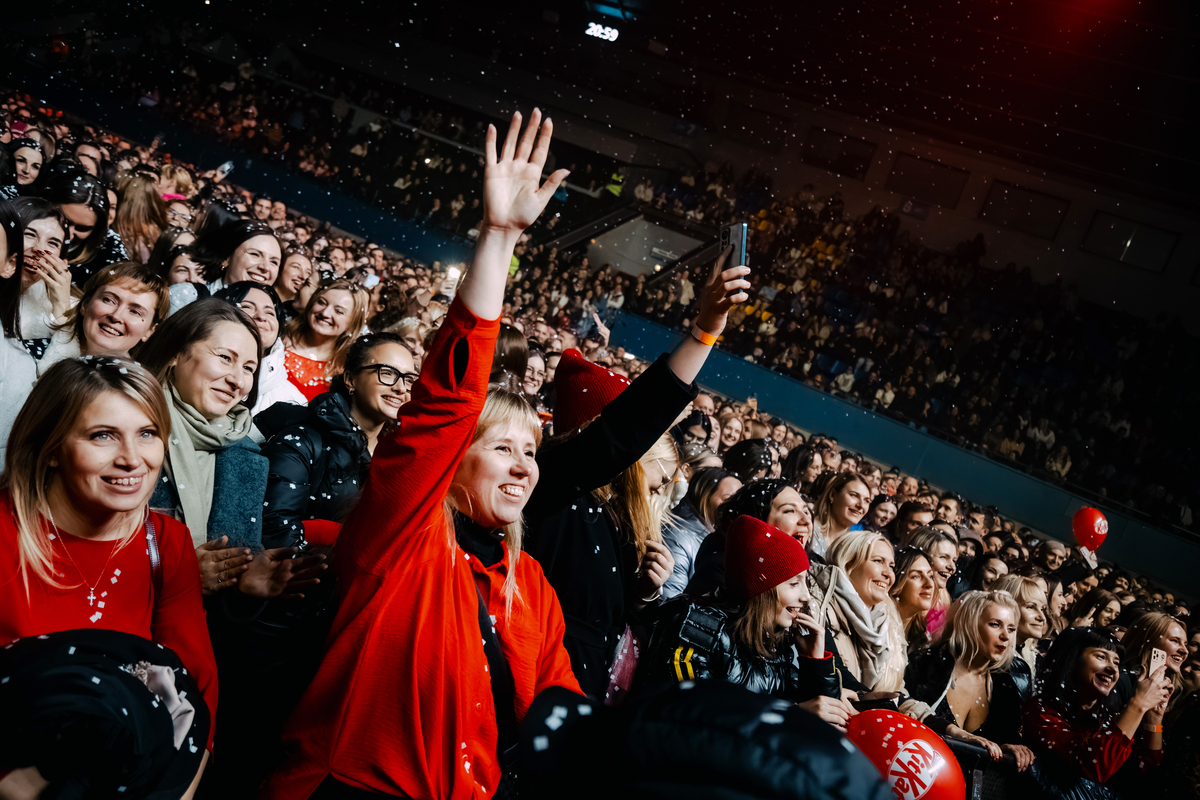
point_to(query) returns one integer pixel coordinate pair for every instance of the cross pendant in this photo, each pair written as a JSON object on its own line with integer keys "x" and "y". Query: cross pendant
{"x": 91, "y": 597}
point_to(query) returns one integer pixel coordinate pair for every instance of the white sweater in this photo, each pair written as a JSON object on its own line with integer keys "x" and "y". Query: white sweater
{"x": 18, "y": 371}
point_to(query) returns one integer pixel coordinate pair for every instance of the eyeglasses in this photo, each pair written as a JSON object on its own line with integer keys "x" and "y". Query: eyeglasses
{"x": 388, "y": 376}
{"x": 180, "y": 215}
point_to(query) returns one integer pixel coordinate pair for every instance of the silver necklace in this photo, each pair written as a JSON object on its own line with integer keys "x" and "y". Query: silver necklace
{"x": 91, "y": 587}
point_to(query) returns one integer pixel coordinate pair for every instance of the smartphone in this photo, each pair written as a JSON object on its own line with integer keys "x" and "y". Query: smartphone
{"x": 225, "y": 168}
{"x": 1158, "y": 658}
{"x": 735, "y": 235}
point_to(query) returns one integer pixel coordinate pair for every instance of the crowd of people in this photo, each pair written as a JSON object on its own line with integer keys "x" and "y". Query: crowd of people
{"x": 423, "y": 525}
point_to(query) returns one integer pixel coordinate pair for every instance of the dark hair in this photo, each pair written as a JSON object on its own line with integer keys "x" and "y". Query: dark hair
{"x": 70, "y": 184}
{"x": 704, "y": 482}
{"x": 1055, "y": 684}
{"x": 394, "y": 301}
{"x": 512, "y": 356}
{"x": 1091, "y": 602}
{"x": 359, "y": 353}
{"x": 876, "y": 502}
{"x": 193, "y": 323}
{"x": 797, "y": 461}
{"x": 160, "y": 256}
{"x": 217, "y": 214}
{"x": 679, "y": 431}
{"x": 974, "y": 573}
{"x": 10, "y": 287}
{"x": 747, "y": 458}
{"x": 178, "y": 250}
{"x": 235, "y": 293}
{"x": 32, "y": 209}
{"x": 752, "y": 500}
{"x": 217, "y": 245}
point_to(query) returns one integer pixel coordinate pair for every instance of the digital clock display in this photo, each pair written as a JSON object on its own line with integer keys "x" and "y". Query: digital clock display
{"x": 602, "y": 32}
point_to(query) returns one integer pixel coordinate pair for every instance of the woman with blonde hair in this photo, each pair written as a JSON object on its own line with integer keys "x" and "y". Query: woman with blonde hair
{"x": 79, "y": 547}
{"x": 436, "y": 600}
{"x": 318, "y": 340}
{"x": 141, "y": 216}
{"x": 1032, "y": 627}
{"x": 850, "y": 595}
{"x": 964, "y": 676}
{"x": 840, "y": 508}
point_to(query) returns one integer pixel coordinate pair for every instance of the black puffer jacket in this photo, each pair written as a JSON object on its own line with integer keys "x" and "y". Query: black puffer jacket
{"x": 927, "y": 677}
{"x": 692, "y": 641}
{"x": 317, "y": 469}
{"x": 708, "y": 741}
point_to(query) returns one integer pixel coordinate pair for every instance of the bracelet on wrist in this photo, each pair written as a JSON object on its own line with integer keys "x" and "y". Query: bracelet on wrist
{"x": 652, "y": 597}
{"x": 1152, "y": 728}
{"x": 703, "y": 337}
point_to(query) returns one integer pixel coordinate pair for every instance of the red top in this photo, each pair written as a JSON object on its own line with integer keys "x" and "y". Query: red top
{"x": 1097, "y": 752}
{"x": 123, "y": 593}
{"x": 402, "y": 702}
{"x": 306, "y": 375}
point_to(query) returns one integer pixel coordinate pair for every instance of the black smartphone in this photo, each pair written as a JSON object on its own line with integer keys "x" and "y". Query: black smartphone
{"x": 735, "y": 235}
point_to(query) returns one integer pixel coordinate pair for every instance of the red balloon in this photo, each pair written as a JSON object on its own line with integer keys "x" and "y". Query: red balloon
{"x": 913, "y": 759}
{"x": 1090, "y": 528}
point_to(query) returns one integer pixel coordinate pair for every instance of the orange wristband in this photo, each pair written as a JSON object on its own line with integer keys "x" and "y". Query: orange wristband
{"x": 1153, "y": 728}
{"x": 703, "y": 337}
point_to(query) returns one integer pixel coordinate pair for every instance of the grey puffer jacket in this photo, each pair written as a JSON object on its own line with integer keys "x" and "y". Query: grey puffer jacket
{"x": 692, "y": 641}
{"x": 683, "y": 537}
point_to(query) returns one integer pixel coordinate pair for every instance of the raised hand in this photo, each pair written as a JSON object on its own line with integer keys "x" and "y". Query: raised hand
{"x": 725, "y": 289}
{"x": 513, "y": 192}
{"x": 56, "y": 275}
{"x": 513, "y": 196}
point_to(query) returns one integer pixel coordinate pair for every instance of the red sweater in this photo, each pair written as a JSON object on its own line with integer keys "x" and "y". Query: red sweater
{"x": 402, "y": 702}
{"x": 1097, "y": 752}
{"x": 176, "y": 620}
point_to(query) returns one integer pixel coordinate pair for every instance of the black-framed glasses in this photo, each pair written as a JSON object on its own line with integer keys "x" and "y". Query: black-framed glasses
{"x": 389, "y": 376}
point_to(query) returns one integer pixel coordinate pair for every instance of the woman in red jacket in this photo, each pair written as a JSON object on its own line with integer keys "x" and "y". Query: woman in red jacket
{"x": 404, "y": 701}
{"x": 82, "y": 460}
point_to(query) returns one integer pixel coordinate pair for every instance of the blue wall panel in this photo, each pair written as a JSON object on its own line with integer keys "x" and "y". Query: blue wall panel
{"x": 1162, "y": 555}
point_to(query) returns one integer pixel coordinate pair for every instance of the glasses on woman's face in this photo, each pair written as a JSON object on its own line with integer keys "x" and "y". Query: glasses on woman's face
{"x": 389, "y": 376}
{"x": 180, "y": 219}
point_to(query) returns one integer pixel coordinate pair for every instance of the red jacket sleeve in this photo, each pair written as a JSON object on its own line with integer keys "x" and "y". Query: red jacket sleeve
{"x": 412, "y": 469}
{"x": 1097, "y": 754}
{"x": 179, "y": 621}
{"x": 321, "y": 532}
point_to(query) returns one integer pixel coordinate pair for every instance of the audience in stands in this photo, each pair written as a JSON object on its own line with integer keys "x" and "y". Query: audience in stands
{"x": 715, "y": 540}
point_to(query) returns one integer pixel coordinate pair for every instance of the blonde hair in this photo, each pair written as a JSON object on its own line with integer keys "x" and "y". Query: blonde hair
{"x": 501, "y": 408}
{"x": 961, "y": 633}
{"x": 639, "y": 515}
{"x": 853, "y": 549}
{"x": 54, "y": 406}
{"x": 298, "y": 328}
{"x": 182, "y": 178}
{"x": 141, "y": 215}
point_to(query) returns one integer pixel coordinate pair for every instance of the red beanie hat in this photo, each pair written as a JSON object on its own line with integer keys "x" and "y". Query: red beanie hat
{"x": 759, "y": 557}
{"x": 582, "y": 390}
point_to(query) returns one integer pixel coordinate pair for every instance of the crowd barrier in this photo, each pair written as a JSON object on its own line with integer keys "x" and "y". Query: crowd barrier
{"x": 1161, "y": 555}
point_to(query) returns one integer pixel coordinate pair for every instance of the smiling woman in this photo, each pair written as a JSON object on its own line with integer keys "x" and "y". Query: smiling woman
{"x": 241, "y": 250}
{"x": 85, "y": 454}
{"x": 120, "y": 308}
{"x": 317, "y": 341}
